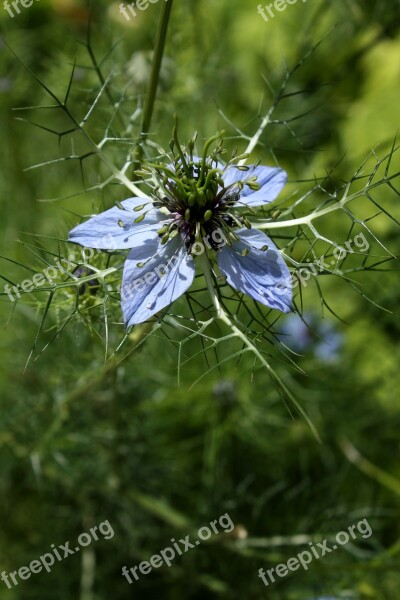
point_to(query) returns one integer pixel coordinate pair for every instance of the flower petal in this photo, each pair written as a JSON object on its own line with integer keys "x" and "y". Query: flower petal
{"x": 270, "y": 179}
{"x": 148, "y": 289}
{"x": 116, "y": 228}
{"x": 261, "y": 274}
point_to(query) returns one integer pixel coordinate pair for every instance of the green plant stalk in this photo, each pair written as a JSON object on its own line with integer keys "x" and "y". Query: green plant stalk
{"x": 247, "y": 343}
{"x": 156, "y": 65}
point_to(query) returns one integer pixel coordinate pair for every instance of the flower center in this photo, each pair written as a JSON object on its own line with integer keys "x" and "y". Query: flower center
{"x": 193, "y": 192}
{"x": 200, "y": 205}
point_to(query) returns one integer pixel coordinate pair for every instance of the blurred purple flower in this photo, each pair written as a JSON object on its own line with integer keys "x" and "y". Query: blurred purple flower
{"x": 309, "y": 333}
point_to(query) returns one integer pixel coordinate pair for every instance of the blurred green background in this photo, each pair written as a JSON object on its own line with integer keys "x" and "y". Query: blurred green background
{"x": 83, "y": 440}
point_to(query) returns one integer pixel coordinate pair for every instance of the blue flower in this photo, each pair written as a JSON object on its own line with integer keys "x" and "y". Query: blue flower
{"x": 195, "y": 209}
{"x": 308, "y": 332}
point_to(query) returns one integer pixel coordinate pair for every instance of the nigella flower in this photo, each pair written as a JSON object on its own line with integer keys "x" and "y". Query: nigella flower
{"x": 197, "y": 208}
{"x": 309, "y": 333}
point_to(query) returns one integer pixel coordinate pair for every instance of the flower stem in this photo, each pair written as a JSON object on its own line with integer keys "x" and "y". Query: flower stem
{"x": 205, "y": 265}
{"x": 248, "y": 344}
{"x": 156, "y": 65}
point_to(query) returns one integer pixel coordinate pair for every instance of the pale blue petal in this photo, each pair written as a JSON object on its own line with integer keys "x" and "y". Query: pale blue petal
{"x": 261, "y": 274}
{"x": 146, "y": 249}
{"x": 116, "y": 228}
{"x": 148, "y": 289}
{"x": 271, "y": 180}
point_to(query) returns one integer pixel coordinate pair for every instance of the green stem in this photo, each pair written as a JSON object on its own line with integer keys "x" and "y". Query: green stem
{"x": 205, "y": 265}
{"x": 182, "y": 156}
{"x": 248, "y": 344}
{"x": 156, "y": 65}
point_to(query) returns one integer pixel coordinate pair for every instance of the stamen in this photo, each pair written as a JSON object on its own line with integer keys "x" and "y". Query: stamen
{"x": 204, "y": 155}
{"x": 182, "y": 156}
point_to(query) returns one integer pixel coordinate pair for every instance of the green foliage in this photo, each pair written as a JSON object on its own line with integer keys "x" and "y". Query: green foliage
{"x": 164, "y": 428}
